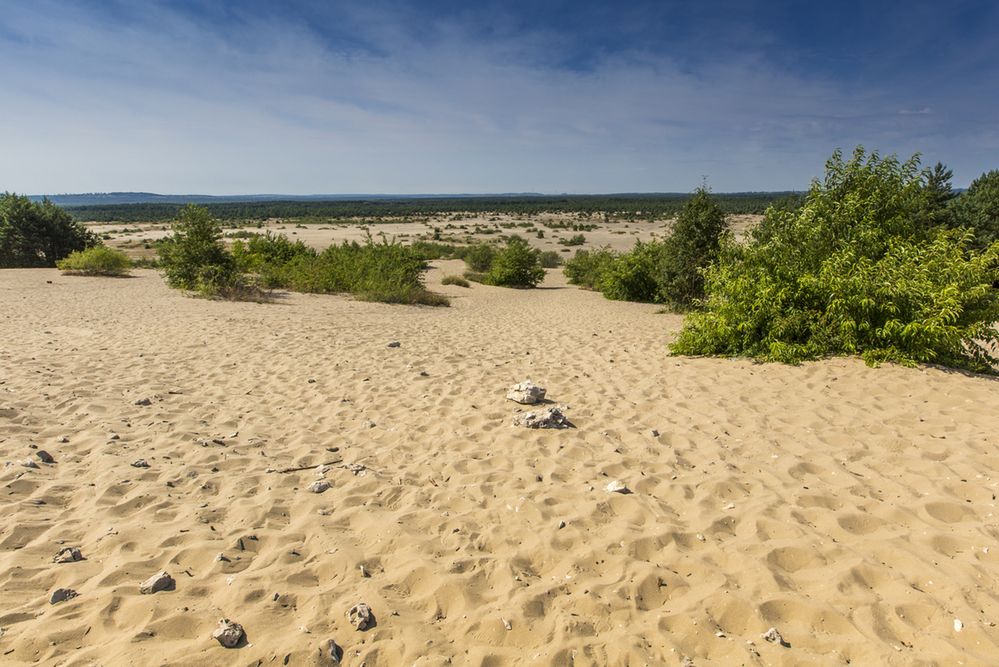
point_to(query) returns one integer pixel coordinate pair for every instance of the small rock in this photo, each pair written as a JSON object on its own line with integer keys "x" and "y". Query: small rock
{"x": 221, "y": 558}
{"x": 356, "y": 468}
{"x": 44, "y": 456}
{"x": 549, "y": 418}
{"x": 229, "y": 633}
{"x": 319, "y": 486}
{"x": 617, "y": 486}
{"x": 773, "y": 636}
{"x": 654, "y": 433}
{"x": 395, "y": 343}
{"x": 526, "y": 393}
{"x": 62, "y": 439}
{"x": 360, "y": 616}
{"x": 330, "y": 652}
{"x": 140, "y": 463}
{"x": 68, "y": 555}
{"x": 507, "y": 624}
{"x": 61, "y": 595}
{"x": 561, "y": 525}
{"x": 958, "y": 625}
{"x": 143, "y": 402}
{"x": 29, "y": 463}
{"x": 687, "y": 661}
{"x": 369, "y": 424}
{"x": 161, "y": 581}
{"x": 114, "y": 436}
{"x": 322, "y": 470}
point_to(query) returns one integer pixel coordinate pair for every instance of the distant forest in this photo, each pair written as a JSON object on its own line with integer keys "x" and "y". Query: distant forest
{"x": 629, "y": 206}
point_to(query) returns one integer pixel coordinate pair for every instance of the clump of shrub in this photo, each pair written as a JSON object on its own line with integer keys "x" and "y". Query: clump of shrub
{"x": 195, "y": 259}
{"x": 550, "y": 259}
{"x": 454, "y": 280}
{"x": 977, "y": 208}
{"x": 38, "y": 234}
{"x": 479, "y": 257}
{"x": 516, "y": 265}
{"x": 588, "y": 267}
{"x": 96, "y": 261}
{"x": 576, "y": 239}
{"x": 853, "y": 270}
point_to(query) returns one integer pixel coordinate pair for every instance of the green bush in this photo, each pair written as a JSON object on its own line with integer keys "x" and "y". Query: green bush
{"x": 977, "y": 208}
{"x": 550, "y": 259}
{"x": 852, "y": 271}
{"x": 588, "y": 267}
{"x": 454, "y": 280}
{"x": 516, "y": 265}
{"x": 265, "y": 255}
{"x": 635, "y": 275}
{"x": 479, "y": 257}
{"x": 36, "y": 234}
{"x": 96, "y": 261}
{"x": 690, "y": 248}
{"x": 577, "y": 239}
{"x": 194, "y": 257}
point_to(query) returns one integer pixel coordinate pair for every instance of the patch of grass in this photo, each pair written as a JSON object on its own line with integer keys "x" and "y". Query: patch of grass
{"x": 96, "y": 261}
{"x": 454, "y": 280}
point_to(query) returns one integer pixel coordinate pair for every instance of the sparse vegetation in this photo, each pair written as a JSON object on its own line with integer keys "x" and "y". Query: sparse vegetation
{"x": 454, "y": 280}
{"x": 516, "y": 265}
{"x": 853, "y": 270}
{"x": 195, "y": 259}
{"x": 96, "y": 261}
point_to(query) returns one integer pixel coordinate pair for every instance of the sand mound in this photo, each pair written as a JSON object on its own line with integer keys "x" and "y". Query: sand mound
{"x": 852, "y": 509}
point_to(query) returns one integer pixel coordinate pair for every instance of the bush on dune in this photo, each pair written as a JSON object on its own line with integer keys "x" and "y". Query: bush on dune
{"x": 96, "y": 261}
{"x": 195, "y": 259}
{"x": 588, "y": 267}
{"x": 34, "y": 234}
{"x": 853, "y": 270}
{"x": 516, "y": 265}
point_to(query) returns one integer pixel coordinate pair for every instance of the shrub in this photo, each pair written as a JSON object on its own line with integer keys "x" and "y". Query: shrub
{"x": 195, "y": 259}
{"x": 454, "y": 280}
{"x": 36, "y": 234}
{"x": 577, "y": 239}
{"x": 96, "y": 261}
{"x": 977, "y": 208}
{"x": 479, "y": 257}
{"x": 635, "y": 275}
{"x": 550, "y": 259}
{"x": 852, "y": 271}
{"x": 691, "y": 247}
{"x": 516, "y": 265}
{"x": 588, "y": 267}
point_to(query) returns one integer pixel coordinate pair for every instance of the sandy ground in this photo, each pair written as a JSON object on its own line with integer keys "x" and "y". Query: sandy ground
{"x": 851, "y": 508}
{"x": 617, "y": 234}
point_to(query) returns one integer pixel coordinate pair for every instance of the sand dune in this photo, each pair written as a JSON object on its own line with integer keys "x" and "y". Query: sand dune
{"x": 851, "y": 508}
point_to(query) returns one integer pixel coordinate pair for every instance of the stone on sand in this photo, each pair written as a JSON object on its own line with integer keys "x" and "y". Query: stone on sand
{"x": 228, "y": 633}
{"x": 359, "y": 616}
{"x": 68, "y": 555}
{"x": 161, "y": 581}
{"x": 526, "y": 393}
{"x": 552, "y": 417}
{"x": 61, "y": 595}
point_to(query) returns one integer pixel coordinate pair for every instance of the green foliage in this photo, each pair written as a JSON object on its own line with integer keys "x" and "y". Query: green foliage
{"x": 852, "y": 271}
{"x": 550, "y": 259}
{"x": 36, "y": 234}
{"x": 195, "y": 258}
{"x": 575, "y": 239}
{"x": 588, "y": 267}
{"x": 454, "y": 280}
{"x": 977, "y": 208}
{"x": 691, "y": 247}
{"x": 516, "y": 265}
{"x": 264, "y": 255}
{"x": 635, "y": 275}
{"x": 96, "y": 261}
{"x": 479, "y": 257}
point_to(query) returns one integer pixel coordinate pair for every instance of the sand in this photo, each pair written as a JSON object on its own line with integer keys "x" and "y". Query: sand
{"x": 851, "y": 508}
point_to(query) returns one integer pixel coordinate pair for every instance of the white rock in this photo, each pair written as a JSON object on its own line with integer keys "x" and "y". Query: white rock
{"x": 617, "y": 486}
{"x": 161, "y": 581}
{"x": 319, "y": 486}
{"x": 958, "y": 625}
{"x": 229, "y": 633}
{"x": 359, "y": 616}
{"x": 526, "y": 393}
{"x": 140, "y": 463}
{"x": 773, "y": 636}
{"x": 548, "y": 418}
{"x": 68, "y": 555}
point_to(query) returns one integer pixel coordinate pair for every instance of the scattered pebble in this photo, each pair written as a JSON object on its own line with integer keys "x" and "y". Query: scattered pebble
{"x": 44, "y": 456}
{"x": 140, "y": 463}
{"x": 561, "y": 525}
{"x": 319, "y": 486}
{"x": 356, "y": 468}
{"x": 654, "y": 433}
{"x": 61, "y": 595}
{"x": 330, "y": 651}
{"x": 617, "y": 486}
{"x": 507, "y": 624}
{"x": 62, "y": 439}
{"x": 143, "y": 402}
{"x": 774, "y": 637}
{"x": 552, "y": 417}
{"x": 29, "y": 463}
{"x": 161, "y": 581}
{"x": 228, "y": 633}
{"x": 360, "y": 616}
{"x": 958, "y": 625}
{"x": 68, "y": 555}
{"x": 395, "y": 343}
{"x": 222, "y": 558}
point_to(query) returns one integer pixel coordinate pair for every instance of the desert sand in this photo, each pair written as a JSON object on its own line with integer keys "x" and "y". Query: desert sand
{"x": 853, "y": 509}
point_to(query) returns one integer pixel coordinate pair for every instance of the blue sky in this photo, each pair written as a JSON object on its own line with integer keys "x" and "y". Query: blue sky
{"x": 300, "y": 97}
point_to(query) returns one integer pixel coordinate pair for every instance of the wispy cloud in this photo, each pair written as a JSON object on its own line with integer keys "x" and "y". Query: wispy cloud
{"x": 357, "y": 100}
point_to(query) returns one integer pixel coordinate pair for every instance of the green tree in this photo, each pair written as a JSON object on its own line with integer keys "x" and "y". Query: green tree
{"x": 195, "y": 258}
{"x": 977, "y": 208}
{"x": 852, "y": 271}
{"x": 690, "y": 249}
{"x": 36, "y": 234}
